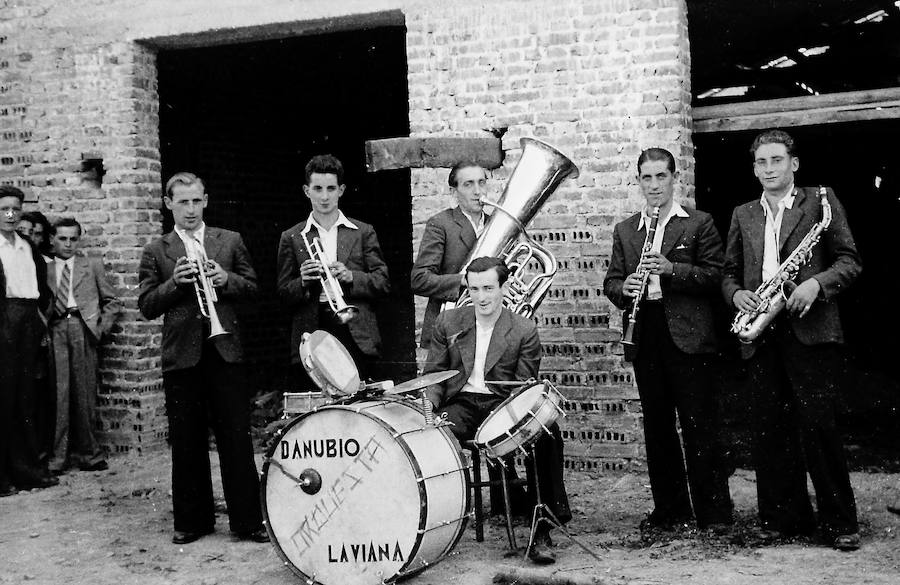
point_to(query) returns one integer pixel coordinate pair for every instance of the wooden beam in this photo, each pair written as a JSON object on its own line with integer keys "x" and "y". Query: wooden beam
{"x": 851, "y": 106}
{"x": 408, "y": 152}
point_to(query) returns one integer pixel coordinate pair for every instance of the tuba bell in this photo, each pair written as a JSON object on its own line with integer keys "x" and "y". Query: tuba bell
{"x": 540, "y": 170}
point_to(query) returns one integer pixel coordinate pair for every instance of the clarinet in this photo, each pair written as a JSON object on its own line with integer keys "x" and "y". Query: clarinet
{"x": 629, "y": 326}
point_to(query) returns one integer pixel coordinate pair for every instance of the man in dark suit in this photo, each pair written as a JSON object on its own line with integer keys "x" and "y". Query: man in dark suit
{"x": 83, "y": 310}
{"x": 351, "y": 248}
{"x": 448, "y": 239}
{"x": 204, "y": 379}
{"x": 23, "y": 294}
{"x": 487, "y": 342}
{"x": 674, "y": 346}
{"x": 795, "y": 363}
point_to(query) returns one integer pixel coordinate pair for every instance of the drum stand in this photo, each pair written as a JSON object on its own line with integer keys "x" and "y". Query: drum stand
{"x": 542, "y": 513}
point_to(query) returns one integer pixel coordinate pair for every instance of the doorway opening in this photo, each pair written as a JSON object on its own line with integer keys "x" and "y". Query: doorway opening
{"x": 247, "y": 117}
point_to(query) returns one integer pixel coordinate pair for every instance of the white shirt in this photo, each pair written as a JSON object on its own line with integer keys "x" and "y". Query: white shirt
{"x": 59, "y": 264}
{"x": 18, "y": 268}
{"x": 475, "y": 384}
{"x": 477, "y": 226}
{"x": 771, "y": 256}
{"x": 328, "y": 238}
{"x": 193, "y": 241}
{"x": 654, "y": 289}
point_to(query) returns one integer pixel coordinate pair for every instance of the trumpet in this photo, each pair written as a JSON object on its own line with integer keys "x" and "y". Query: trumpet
{"x": 330, "y": 286}
{"x": 205, "y": 291}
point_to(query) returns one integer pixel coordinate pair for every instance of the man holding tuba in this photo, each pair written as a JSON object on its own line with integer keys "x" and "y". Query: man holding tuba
{"x": 340, "y": 303}
{"x": 203, "y": 377}
{"x": 448, "y": 239}
{"x": 673, "y": 344}
{"x": 794, "y": 364}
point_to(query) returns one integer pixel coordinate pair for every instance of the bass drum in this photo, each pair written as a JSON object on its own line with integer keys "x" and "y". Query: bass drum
{"x": 365, "y": 493}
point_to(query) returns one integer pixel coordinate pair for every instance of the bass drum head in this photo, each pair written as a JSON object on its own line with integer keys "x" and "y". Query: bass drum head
{"x": 358, "y": 520}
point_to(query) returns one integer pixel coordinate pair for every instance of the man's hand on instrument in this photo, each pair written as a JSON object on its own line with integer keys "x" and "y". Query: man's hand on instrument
{"x": 632, "y": 285}
{"x": 185, "y": 271}
{"x": 310, "y": 270}
{"x": 216, "y": 274}
{"x": 803, "y": 297}
{"x": 746, "y": 300}
{"x": 341, "y": 272}
{"x": 657, "y": 264}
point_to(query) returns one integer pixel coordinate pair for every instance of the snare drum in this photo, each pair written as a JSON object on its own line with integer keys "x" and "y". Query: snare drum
{"x": 364, "y": 493}
{"x": 299, "y": 402}
{"x": 329, "y": 364}
{"x": 519, "y": 420}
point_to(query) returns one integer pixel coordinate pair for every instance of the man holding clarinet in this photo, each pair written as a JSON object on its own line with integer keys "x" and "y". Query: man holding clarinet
{"x": 665, "y": 271}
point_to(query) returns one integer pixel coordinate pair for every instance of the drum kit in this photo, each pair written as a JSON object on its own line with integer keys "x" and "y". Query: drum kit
{"x": 365, "y": 486}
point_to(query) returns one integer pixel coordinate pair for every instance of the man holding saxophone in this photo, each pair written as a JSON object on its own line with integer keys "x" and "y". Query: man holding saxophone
{"x": 203, "y": 377}
{"x": 340, "y": 303}
{"x": 672, "y": 344}
{"x": 794, "y": 361}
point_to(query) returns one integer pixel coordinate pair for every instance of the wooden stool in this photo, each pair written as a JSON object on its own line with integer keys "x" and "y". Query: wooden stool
{"x": 477, "y": 484}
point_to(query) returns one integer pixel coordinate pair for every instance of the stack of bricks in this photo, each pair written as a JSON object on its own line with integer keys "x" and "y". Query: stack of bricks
{"x": 599, "y": 79}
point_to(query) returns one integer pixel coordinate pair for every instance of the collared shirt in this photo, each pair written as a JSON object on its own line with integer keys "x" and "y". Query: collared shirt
{"x": 59, "y": 264}
{"x": 328, "y": 238}
{"x": 477, "y": 226}
{"x": 19, "y": 268}
{"x": 771, "y": 256}
{"x": 475, "y": 384}
{"x": 654, "y": 289}
{"x": 193, "y": 241}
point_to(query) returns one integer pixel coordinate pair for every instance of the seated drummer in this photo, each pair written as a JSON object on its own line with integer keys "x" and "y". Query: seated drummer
{"x": 486, "y": 341}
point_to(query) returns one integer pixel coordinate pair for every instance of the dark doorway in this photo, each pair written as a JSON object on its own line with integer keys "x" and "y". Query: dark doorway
{"x": 859, "y": 161}
{"x": 247, "y": 117}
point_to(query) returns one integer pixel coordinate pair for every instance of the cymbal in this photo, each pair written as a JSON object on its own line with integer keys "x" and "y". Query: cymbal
{"x": 422, "y": 382}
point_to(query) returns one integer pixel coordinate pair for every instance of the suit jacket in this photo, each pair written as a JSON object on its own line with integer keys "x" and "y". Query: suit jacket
{"x": 44, "y": 294}
{"x": 694, "y": 247}
{"x": 446, "y": 244}
{"x": 184, "y": 330}
{"x": 834, "y": 262}
{"x": 94, "y": 295}
{"x": 359, "y": 251}
{"x": 513, "y": 354}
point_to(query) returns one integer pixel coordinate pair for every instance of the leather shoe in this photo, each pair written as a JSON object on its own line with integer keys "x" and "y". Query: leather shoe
{"x": 847, "y": 542}
{"x": 894, "y": 509}
{"x": 41, "y": 482}
{"x": 186, "y": 537}
{"x": 257, "y": 535}
{"x": 540, "y": 553}
{"x": 8, "y": 490}
{"x": 101, "y": 465}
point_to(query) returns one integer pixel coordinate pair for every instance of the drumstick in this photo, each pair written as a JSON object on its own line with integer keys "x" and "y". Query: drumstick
{"x": 506, "y": 382}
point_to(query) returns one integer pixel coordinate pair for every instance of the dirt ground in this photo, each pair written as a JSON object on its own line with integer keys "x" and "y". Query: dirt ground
{"x": 114, "y": 528}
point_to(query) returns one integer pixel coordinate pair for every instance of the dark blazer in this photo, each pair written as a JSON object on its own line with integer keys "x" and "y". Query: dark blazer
{"x": 694, "y": 247}
{"x": 446, "y": 244}
{"x": 359, "y": 251}
{"x": 183, "y": 327}
{"x": 94, "y": 295}
{"x": 513, "y": 354}
{"x": 834, "y": 262}
{"x": 44, "y": 294}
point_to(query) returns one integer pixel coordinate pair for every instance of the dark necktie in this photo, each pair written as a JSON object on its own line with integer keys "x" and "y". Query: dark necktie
{"x": 61, "y": 302}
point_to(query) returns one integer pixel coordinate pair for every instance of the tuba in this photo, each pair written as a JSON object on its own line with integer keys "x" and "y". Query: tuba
{"x": 205, "y": 291}
{"x": 539, "y": 172}
{"x": 748, "y": 325}
{"x": 343, "y": 312}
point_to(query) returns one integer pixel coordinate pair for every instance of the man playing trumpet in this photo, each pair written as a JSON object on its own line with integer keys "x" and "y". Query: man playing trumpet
{"x": 350, "y": 249}
{"x": 673, "y": 345}
{"x": 203, "y": 376}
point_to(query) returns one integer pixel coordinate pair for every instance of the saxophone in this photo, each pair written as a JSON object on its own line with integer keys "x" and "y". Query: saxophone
{"x": 748, "y": 325}
{"x": 629, "y": 324}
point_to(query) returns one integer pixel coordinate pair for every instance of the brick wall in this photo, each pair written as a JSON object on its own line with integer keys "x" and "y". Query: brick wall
{"x": 599, "y": 79}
